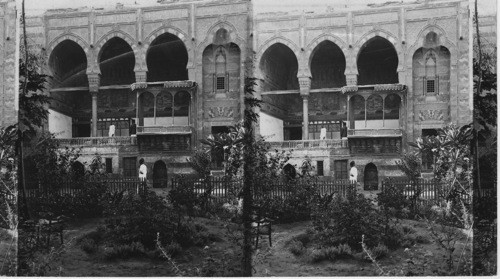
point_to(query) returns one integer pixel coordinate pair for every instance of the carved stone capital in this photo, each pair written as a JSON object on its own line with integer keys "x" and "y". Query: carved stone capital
{"x": 351, "y": 79}
{"x": 305, "y": 85}
{"x": 141, "y": 76}
{"x": 94, "y": 82}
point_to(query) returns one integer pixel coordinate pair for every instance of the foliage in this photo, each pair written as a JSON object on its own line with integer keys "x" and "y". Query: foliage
{"x": 200, "y": 162}
{"x": 293, "y": 206}
{"x": 393, "y": 202}
{"x": 380, "y": 251}
{"x": 132, "y": 218}
{"x": 342, "y": 251}
{"x": 89, "y": 246}
{"x": 125, "y": 251}
{"x": 345, "y": 220}
{"x": 8, "y": 178}
{"x": 227, "y": 266}
{"x": 87, "y": 202}
{"x": 411, "y": 165}
{"x": 140, "y": 218}
{"x": 453, "y": 167}
{"x": 183, "y": 197}
{"x": 296, "y": 247}
{"x": 32, "y": 102}
{"x": 49, "y": 162}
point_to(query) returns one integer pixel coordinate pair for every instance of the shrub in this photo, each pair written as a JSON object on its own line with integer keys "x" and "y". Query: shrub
{"x": 88, "y": 246}
{"x": 304, "y": 238}
{"x": 125, "y": 251}
{"x": 342, "y": 251}
{"x": 345, "y": 220}
{"x": 138, "y": 218}
{"x": 380, "y": 251}
{"x": 228, "y": 266}
{"x": 173, "y": 249}
{"x": 318, "y": 255}
{"x": 296, "y": 247}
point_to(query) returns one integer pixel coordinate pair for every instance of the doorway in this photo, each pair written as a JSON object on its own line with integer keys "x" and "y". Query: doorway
{"x": 371, "y": 177}
{"x": 160, "y": 177}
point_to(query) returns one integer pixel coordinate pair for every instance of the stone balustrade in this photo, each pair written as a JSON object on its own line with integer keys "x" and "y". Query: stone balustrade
{"x": 98, "y": 141}
{"x": 309, "y": 144}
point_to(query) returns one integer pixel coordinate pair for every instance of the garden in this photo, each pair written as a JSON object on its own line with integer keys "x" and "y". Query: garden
{"x": 187, "y": 232}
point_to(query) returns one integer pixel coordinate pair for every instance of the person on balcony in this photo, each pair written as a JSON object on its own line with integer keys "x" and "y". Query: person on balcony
{"x": 322, "y": 134}
{"x": 132, "y": 130}
{"x": 343, "y": 131}
{"x": 112, "y": 129}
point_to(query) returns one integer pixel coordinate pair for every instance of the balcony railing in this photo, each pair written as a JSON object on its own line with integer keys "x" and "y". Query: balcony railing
{"x": 374, "y": 133}
{"x": 164, "y": 130}
{"x": 309, "y": 144}
{"x": 98, "y": 141}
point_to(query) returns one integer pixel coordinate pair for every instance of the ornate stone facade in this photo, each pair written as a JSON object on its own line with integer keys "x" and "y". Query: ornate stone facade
{"x": 395, "y": 66}
{"x": 8, "y": 85}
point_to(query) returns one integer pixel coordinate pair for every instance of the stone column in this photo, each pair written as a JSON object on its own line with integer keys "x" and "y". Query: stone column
{"x": 94, "y": 80}
{"x": 141, "y": 76}
{"x": 305, "y": 88}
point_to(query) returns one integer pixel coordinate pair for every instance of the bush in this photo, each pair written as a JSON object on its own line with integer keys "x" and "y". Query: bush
{"x": 345, "y": 220}
{"x": 292, "y": 207}
{"x": 125, "y": 251}
{"x": 88, "y": 245}
{"x": 380, "y": 251}
{"x": 138, "y": 218}
{"x": 228, "y": 266}
{"x": 342, "y": 251}
{"x": 318, "y": 255}
{"x": 173, "y": 249}
{"x": 296, "y": 247}
{"x": 392, "y": 201}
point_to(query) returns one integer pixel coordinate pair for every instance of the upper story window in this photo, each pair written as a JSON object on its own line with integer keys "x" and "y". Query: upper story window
{"x": 220, "y": 76}
{"x": 431, "y": 78}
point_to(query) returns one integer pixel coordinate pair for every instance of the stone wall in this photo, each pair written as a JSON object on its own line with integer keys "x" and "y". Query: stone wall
{"x": 8, "y": 98}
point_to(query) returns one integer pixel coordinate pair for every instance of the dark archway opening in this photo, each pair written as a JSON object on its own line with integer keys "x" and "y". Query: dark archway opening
{"x": 279, "y": 68}
{"x": 116, "y": 62}
{"x": 160, "y": 177}
{"x": 68, "y": 65}
{"x": 371, "y": 177}
{"x": 377, "y": 62}
{"x": 327, "y": 66}
{"x": 166, "y": 59}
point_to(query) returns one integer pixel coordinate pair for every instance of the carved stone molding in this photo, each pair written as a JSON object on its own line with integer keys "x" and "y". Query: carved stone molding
{"x": 221, "y": 112}
{"x": 436, "y": 115}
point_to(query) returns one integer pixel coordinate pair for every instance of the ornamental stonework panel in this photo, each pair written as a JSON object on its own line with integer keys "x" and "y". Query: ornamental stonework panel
{"x": 432, "y": 115}
{"x": 221, "y": 112}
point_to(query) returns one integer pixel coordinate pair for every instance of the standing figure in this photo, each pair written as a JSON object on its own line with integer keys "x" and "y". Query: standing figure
{"x": 322, "y": 134}
{"x": 143, "y": 173}
{"x": 343, "y": 131}
{"x": 112, "y": 129}
{"x": 132, "y": 130}
{"x": 353, "y": 173}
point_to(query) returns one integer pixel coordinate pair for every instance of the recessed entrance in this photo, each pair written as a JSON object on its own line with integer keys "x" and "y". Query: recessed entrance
{"x": 160, "y": 177}
{"x": 371, "y": 177}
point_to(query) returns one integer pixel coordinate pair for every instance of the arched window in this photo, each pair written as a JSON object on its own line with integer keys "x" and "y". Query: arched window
{"x": 220, "y": 76}
{"x": 431, "y": 79}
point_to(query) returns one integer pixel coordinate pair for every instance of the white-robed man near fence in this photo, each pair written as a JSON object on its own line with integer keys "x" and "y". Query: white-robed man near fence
{"x": 353, "y": 174}
{"x": 143, "y": 173}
